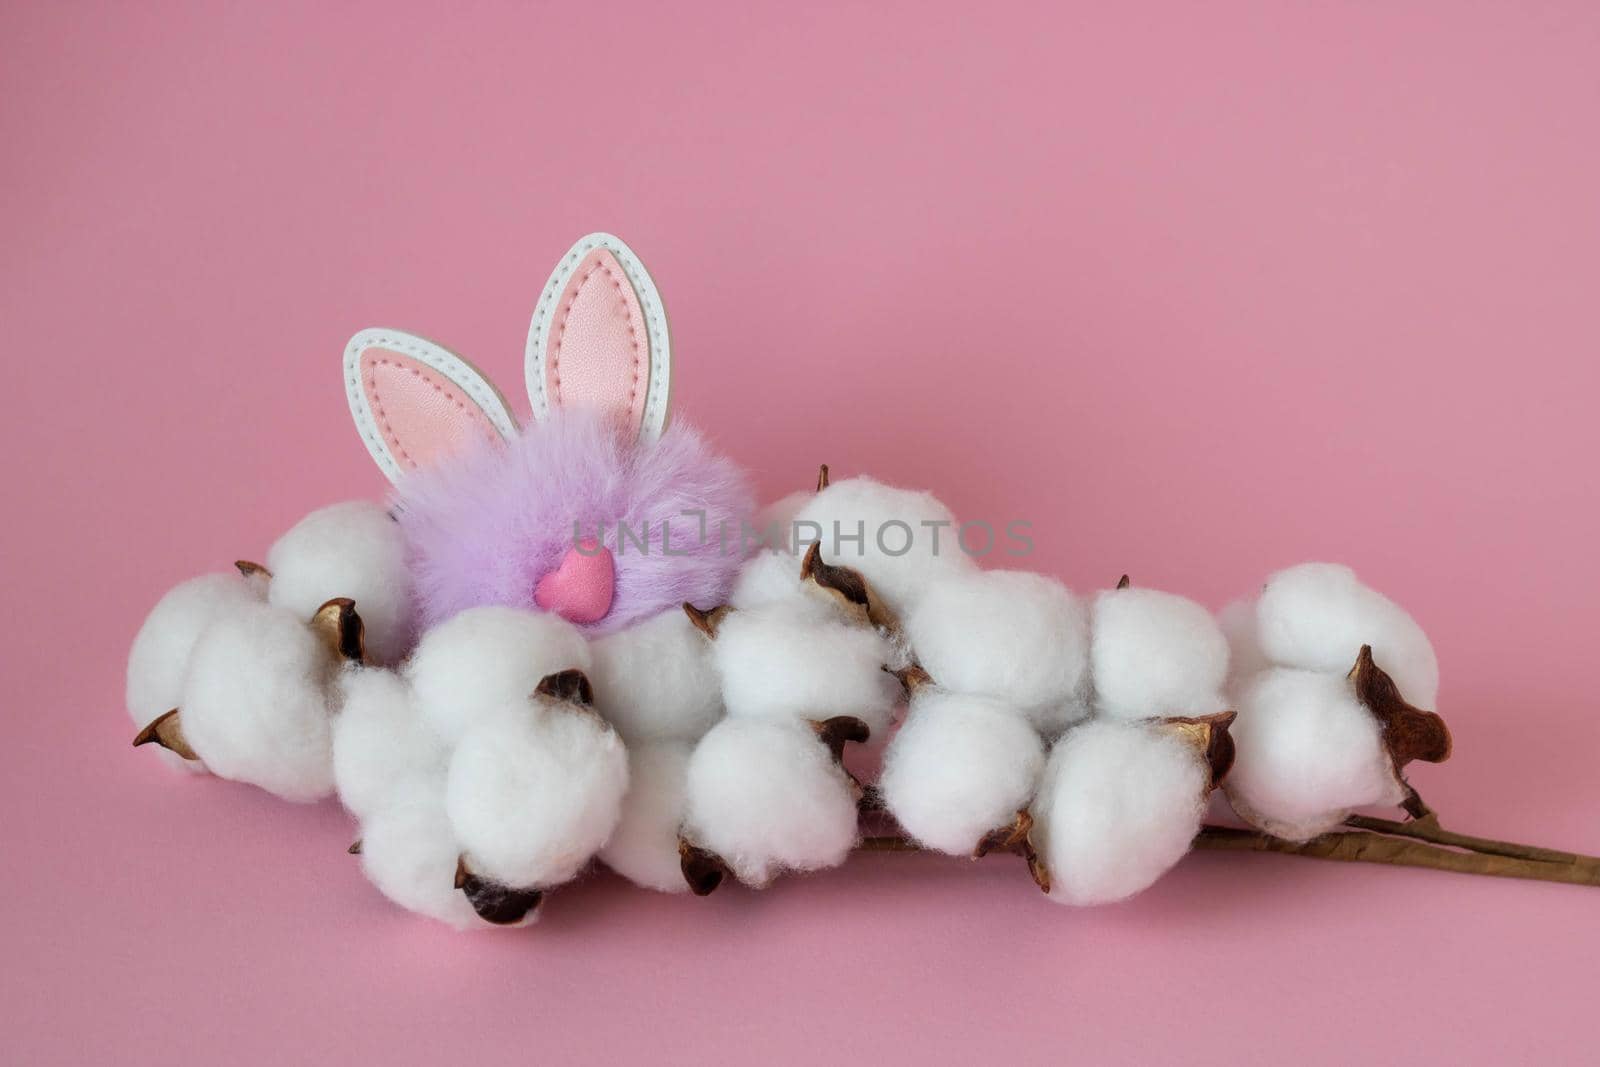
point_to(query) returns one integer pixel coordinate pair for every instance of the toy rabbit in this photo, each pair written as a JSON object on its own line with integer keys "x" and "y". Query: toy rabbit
{"x": 598, "y": 511}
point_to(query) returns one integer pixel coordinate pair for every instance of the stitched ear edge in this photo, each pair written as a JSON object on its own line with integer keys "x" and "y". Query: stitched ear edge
{"x": 463, "y": 375}
{"x": 657, "y": 402}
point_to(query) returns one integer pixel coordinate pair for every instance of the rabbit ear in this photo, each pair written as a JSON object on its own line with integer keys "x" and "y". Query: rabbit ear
{"x": 415, "y": 402}
{"x": 599, "y": 339}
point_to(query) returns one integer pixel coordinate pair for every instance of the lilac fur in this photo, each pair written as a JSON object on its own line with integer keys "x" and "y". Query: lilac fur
{"x": 485, "y": 526}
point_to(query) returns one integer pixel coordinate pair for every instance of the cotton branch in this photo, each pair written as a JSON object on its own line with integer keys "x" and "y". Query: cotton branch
{"x": 1421, "y": 843}
{"x": 1366, "y": 846}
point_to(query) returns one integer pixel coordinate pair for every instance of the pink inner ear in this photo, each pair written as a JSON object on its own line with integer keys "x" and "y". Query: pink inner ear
{"x": 599, "y": 350}
{"x": 422, "y": 414}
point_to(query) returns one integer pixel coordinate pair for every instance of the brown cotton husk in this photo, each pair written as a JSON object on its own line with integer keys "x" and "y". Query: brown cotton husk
{"x": 1409, "y": 733}
{"x": 355, "y": 847}
{"x": 251, "y": 570}
{"x": 706, "y": 621}
{"x": 1124, "y": 582}
{"x": 1016, "y": 837}
{"x": 703, "y": 870}
{"x": 566, "y": 687}
{"x": 847, "y": 587}
{"x": 340, "y": 627}
{"x": 166, "y": 730}
{"x": 912, "y": 678}
{"x": 840, "y": 731}
{"x": 1209, "y": 736}
{"x": 495, "y": 903}
{"x": 822, "y": 477}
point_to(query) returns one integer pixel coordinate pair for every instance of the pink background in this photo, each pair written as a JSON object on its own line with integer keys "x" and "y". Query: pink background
{"x": 1199, "y": 290}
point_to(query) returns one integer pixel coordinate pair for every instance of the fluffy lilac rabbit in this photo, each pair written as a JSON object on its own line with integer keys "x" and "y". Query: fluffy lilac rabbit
{"x": 597, "y": 510}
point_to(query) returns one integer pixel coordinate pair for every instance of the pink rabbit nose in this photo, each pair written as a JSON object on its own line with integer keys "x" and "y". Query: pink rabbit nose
{"x": 580, "y": 590}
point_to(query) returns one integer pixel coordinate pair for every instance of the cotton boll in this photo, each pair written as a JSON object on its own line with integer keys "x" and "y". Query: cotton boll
{"x": 960, "y": 767}
{"x": 533, "y": 793}
{"x": 356, "y": 550}
{"x": 1318, "y": 615}
{"x": 1155, "y": 654}
{"x": 644, "y": 846}
{"x": 908, "y": 540}
{"x": 161, "y": 650}
{"x": 780, "y": 663}
{"x": 1119, "y": 804}
{"x": 409, "y": 852}
{"x": 1020, "y": 638}
{"x": 767, "y": 796}
{"x": 381, "y": 745}
{"x": 255, "y": 702}
{"x": 473, "y": 665}
{"x": 1308, "y": 752}
{"x": 656, "y": 680}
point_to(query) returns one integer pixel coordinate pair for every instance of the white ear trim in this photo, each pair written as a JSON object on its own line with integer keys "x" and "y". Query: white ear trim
{"x": 658, "y": 391}
{"x": 452, "y": 367}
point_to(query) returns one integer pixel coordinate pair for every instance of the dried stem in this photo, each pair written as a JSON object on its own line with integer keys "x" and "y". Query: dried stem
{"x": 888, "y": 843}
{"x": 1398, "y": 844}
{"x": 1428, "y": 829}
{"x": 1365, "y": 846}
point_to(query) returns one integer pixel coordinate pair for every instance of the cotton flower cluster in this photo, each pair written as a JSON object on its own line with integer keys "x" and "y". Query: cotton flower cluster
{"x": 493, "y": 757}
{"x": 1077, "y": 732}
{"x": 481, "y": 764}
{"x": 1082, "y": 733}
{"x": 1006, "y": 655}
{"x": 487, "y": 745}
{"x": 1123, "y": 795}
{"x": 238, "y": 674}
{"x": 801, "y": 664}
{"x": 1322, "y": 730}
{"x": 996, "y": 666}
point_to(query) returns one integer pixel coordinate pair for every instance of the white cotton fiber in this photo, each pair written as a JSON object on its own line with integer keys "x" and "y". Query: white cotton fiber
{"x": 1155, "y": 654}
{"x": 1020, "y": 638}
{"x": 475, "y": 664}
{"x": 776, "y": 521}
{"x": 1307, "y": 752}
{"x": 655, "y": 680}
{"x": 768, "y": 796}
{"x": 534, "y": 793}
{"x": 772, "y": 577}
{"x": 160, "y": 652}
{"x": 959, "y": 767}
{"x": 1245, "y": 658}
{"x": 381, "y": 745}
{"x": 409, "y": 852}
{"x": 256, "y": 702}
{"x": 1118, "y": 805}
{"x": 908, "y": 540}
{"x": 356, "y": 550}
{"x": 1318, "y": 615}
{"x": 780, "y": 663}
{"x": 644, "y": 846}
